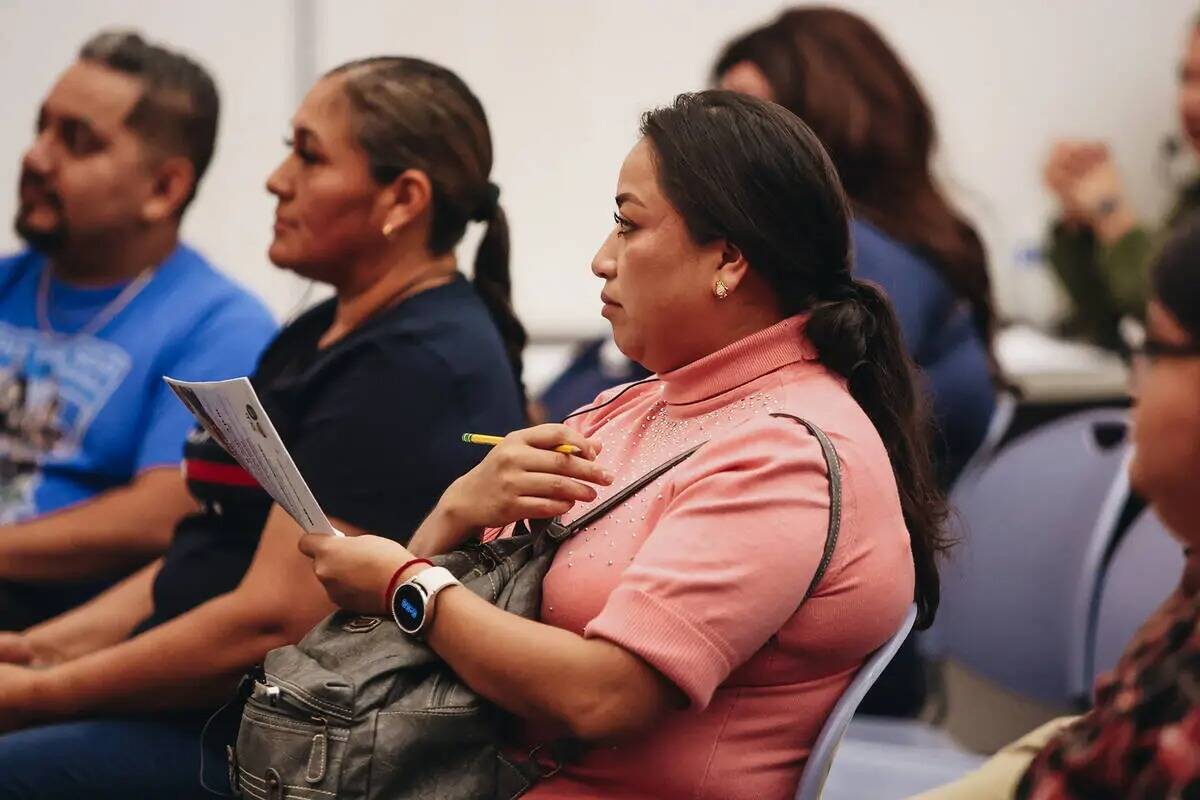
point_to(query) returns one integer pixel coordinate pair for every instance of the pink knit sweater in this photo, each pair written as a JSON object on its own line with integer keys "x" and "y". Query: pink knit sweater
{"x": 702, "y": 574}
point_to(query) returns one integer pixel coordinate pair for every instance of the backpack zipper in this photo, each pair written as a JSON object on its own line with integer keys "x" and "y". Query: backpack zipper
{"x": 267, "y": 693}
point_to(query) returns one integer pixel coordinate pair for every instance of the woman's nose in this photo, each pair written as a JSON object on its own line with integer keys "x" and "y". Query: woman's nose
{"x": 604, "y": 263}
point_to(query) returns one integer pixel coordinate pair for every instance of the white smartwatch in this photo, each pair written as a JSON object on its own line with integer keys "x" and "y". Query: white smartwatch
{"x": 412, "y": 602}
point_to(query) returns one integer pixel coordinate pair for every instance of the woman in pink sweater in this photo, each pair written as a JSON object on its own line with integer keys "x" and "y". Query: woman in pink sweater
{"x": 672, "y": 635}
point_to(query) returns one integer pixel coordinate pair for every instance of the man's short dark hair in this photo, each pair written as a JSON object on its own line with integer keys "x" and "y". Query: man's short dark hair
{"x": 178, "y": 110}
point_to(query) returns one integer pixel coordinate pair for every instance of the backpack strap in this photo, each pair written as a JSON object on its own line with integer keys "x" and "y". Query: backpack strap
{"x": 559, "y": 532}
{"x": 833, "y": 467}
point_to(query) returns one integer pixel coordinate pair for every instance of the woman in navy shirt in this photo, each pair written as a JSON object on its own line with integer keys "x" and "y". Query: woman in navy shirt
{"x": 943, "y": 337}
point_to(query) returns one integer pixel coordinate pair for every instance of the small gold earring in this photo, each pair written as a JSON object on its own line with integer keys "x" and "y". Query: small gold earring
{"x": 387, "y": 230}
{"x": 720, "y": 290}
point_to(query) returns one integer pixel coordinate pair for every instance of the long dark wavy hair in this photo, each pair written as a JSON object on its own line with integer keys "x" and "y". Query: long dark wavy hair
{"x": 835, "y": 71}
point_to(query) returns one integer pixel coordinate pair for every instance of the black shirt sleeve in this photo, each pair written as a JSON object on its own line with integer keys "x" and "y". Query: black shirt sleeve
{"x": 380, "y": 439}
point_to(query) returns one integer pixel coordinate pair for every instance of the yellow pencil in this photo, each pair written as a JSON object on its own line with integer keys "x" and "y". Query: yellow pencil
{"x": 491, "y": 441}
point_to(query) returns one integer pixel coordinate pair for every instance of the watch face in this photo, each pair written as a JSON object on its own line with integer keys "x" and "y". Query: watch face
{"x": 408, "y": 607}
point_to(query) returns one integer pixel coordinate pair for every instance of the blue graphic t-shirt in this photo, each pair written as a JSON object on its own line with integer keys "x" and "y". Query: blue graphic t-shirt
{"x": 83, "y": 407}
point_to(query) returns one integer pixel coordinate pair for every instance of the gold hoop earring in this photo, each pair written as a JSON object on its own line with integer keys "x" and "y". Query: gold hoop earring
{"x": 720, "y": 290}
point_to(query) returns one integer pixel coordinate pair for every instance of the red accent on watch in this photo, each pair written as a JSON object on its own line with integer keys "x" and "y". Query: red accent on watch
{"x": 391, "y": 587}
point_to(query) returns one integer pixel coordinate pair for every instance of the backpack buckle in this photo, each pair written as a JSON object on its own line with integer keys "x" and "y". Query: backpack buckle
{"x": 556, "y": 531}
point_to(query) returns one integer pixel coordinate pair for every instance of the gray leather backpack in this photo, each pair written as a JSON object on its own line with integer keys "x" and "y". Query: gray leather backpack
{"x": 360, "y": 710}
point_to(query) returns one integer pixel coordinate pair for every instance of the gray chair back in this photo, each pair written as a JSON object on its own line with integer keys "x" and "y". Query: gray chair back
{"x": 1145, "y": 568}
{"x": 812, "y": 780}
{"x": 1033, "y": 526}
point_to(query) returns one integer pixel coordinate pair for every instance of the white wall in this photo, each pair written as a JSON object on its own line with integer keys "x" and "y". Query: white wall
{"x": 564, "y": 81}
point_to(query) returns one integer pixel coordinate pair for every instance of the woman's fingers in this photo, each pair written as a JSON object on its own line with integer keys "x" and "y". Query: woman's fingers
{"x": 15, "y": 649}
{"x": 541, "y": 508}
{"x": 1059, "y": 171}
{"x": 1057, "y": 179}
{"x": 310, "y": 544}
{"x": 1086, "y": 157}
{"x": 546, "y": 461}
{"x": 1070, "y": 158}
{"x": 525, "y": 478}
{"x": 548, "y": 437}
{"x": 553, "y": 487}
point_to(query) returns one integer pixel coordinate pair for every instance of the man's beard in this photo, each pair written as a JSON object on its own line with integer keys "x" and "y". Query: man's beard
{"x": 47, "y": 240}
{"x": 43, "y": 240}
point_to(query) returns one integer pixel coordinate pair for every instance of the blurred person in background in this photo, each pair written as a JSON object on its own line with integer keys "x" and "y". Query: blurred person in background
{"x": 103, "y": 302}
{"x": 371, "y": 392}
{"x": 835, "y": 71}
{"x": 1098, "y": 246}
{"x": 596, "y": 365}
{"x": 1142, "y": 737}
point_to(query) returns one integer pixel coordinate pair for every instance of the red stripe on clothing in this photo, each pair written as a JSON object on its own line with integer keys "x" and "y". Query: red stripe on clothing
{"x": 213, "y": 472}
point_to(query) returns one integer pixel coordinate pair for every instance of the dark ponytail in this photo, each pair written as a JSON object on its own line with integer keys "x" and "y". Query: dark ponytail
{"x": 411, "y": 114}
{"x": 494, "y": 283}
{"x": 858, "y": 336}
{"x": 751, "y": 172}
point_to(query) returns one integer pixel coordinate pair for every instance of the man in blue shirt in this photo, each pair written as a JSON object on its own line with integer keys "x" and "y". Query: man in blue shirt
{"x": 106, "y": 301}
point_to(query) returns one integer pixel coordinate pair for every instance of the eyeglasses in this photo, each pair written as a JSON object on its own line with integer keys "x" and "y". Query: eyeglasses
{"x": 1148, "y": 351}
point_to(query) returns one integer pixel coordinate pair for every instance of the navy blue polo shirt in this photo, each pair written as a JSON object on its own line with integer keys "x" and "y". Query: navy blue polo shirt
{"x": 374, "y": 423}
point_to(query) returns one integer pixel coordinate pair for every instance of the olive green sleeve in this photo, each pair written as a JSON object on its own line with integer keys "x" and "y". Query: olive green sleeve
{"x": 1071, "y": 254}
{"x": 1124, "y": 267}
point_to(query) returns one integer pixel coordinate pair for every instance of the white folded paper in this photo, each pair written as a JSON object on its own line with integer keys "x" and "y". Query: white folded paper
{"x": 232, "y": 414}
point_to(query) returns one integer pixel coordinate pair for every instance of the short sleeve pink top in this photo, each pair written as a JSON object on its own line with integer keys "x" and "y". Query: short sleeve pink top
{"x": 702, "y": 573}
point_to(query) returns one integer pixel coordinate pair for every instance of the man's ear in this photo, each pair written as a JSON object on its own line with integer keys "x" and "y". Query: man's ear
{"x": 173, "y": 182}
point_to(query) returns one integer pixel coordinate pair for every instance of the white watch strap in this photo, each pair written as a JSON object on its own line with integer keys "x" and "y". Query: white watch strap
{"x": 433, "y": 580}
